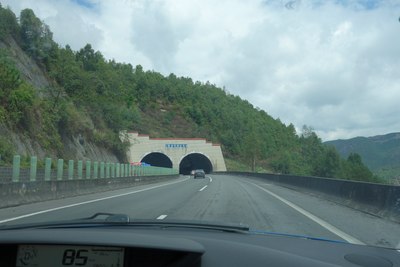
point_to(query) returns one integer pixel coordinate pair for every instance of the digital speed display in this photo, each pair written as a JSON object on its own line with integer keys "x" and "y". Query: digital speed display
{"x": 73, "y": 256}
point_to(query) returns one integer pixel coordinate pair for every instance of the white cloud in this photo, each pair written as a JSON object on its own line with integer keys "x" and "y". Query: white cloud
{"x": 329, "y": 65}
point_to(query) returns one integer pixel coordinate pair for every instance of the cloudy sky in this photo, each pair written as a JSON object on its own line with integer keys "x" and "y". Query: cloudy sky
{"x": 332, "y": 65}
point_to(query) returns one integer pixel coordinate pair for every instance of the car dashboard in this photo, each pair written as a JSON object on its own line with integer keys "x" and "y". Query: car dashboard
{"x": 124, "y": 246}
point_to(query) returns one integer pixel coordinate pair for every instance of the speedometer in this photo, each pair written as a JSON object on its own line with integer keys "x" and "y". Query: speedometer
{"x": 65, "y": 255}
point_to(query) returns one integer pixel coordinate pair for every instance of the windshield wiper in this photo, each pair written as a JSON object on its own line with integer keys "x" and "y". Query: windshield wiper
{"x": 205, "y": 225}
{"x": 297, "y": 236}
{"x": 97, "y": 219}
{"x": 108, "y": 217}
{"x": 111, "y": 219}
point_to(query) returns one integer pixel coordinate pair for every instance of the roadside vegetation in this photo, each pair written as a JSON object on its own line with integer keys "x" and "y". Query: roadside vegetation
{"x": 97, "y": 98}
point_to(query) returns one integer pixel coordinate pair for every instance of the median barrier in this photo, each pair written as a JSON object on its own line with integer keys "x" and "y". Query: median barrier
{"x": 376, "y": 199}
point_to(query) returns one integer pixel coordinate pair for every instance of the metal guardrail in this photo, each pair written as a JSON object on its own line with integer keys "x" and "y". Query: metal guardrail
{"x": 76, "y": 170}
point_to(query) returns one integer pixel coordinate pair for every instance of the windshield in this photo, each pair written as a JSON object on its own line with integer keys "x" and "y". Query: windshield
{"x": 280, "y": 115}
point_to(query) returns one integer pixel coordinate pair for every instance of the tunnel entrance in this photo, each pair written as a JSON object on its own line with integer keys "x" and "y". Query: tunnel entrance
{"x": 195, "y": 161}
{"x": 157, "y": 159}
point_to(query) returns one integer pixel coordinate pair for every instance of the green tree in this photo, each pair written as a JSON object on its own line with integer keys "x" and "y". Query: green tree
{"x": 8, "y": 23}
{"x": 329, "y": 164}
{"x": 252, "y": 147}
{"x": 6, "y": 150}
{"x": 356, "y": 170}
{"x": 90, "y": 59}
{"x": 20, "y": 102}
{"x": 37, "y": 39}
{"x": 283, "y": 163}
{"x": 9, "y": 77}
{"x": 16, "y": 96}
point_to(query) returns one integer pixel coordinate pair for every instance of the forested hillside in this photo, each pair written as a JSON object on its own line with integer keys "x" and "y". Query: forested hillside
{"x": 381, "y": 153}
{"x": 96, "y": 98}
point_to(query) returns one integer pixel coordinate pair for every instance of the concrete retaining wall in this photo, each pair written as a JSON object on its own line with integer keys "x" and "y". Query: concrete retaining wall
{"x": 18, "y": 193}
{"x": 376, "y": 199}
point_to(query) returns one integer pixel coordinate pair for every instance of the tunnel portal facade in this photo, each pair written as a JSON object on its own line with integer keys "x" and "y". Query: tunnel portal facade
{"x": 184, "y": 154}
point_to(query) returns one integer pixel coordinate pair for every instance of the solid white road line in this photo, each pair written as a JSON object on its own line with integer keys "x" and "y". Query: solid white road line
{"x": 314, "y": 218}
{"x": 161, "y": 217}
{"x": 204, "y": 187}
{"x": 87, "y": 202}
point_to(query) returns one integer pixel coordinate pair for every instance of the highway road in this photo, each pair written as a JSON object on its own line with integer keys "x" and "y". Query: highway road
{"x": 221, "y": 198}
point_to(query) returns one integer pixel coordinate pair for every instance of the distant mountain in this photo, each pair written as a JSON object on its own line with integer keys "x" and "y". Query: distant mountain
{"x": 380, "y": 153}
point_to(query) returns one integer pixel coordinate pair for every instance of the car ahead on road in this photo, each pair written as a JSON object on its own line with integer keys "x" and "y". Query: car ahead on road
{"x": 117, "y": 240}
{"x": 199, "y": 174}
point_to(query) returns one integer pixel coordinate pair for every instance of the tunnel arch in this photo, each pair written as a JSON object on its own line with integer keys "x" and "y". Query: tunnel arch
{"x": 195, "y": 161}
{"x": 157, "y": 159}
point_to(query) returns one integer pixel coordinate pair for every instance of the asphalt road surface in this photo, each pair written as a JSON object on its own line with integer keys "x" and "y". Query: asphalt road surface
{"x": 222, "y": 198}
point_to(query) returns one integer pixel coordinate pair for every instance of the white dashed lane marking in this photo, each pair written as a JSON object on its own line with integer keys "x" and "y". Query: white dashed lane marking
{"x": 204, "y": 187}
